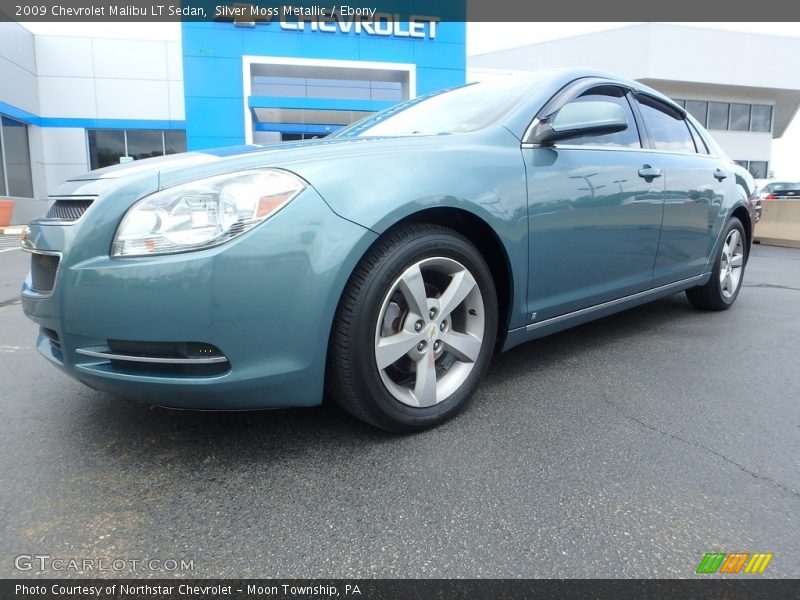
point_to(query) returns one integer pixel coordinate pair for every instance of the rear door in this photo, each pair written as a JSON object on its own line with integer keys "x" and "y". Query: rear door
{"x": 594, "y": 210}
{"x": 696, "y": 183}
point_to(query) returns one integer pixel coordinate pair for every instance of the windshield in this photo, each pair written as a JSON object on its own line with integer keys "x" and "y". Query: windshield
{"x": 457, "y": 110}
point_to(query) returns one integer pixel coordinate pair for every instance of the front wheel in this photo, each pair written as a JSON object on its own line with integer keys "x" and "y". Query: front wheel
{"x": 726, "y": 279}
{"x": 414, "y": 331}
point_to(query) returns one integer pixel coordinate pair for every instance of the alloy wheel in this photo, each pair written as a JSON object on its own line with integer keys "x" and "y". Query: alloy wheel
{"x": 429, "y": 332}
{"x": 731, "y": 263}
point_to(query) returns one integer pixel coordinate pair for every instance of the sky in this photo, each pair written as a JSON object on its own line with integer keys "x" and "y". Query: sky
{"x": 481, "y": 38}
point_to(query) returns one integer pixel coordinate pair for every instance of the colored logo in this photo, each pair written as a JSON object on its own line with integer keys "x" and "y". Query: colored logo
{"x": 735, "y": 562}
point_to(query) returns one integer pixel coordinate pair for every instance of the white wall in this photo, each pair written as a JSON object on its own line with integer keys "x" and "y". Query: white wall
{"x": 64, "y": 154}
{"x": 603, "y": 50}
{"x": 98, "y": 78}
{"x": 708, "y": 56}
{"x": 101, "y": 78}
{"x": 742, "y": 145}
{"x": 91, "y": 76}
{"x": 18, "y": 87}
{"x": 18, "y": 65}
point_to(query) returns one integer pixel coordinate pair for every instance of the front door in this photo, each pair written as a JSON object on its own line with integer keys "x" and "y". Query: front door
{"x": 595, "y": 206}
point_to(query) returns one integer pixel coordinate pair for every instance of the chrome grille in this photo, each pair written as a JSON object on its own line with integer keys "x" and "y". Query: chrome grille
{"x": 43, "y": 272}
{"x": 68, "y": 210}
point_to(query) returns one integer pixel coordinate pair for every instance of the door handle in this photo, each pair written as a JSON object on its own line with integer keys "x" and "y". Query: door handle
{"x": 649, "y": 173}
{"x": 719, "y": 175}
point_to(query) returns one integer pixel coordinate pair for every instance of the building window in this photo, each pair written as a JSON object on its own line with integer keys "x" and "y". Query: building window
{"x": 718, "y": 115}
{"x": 740, "y": 117}
{"x": 724, "y": 116}
{"x": 301, "y": 97}
{"x": 145, "y": 144}
{"x": 105, "y": 148}
{"x": 174, "y": 141}
{"x": 15, "y": 160}
{"x": 341, "y": 89}
{"x": 296, "y": 137}
{"x": 761, "y": 118}
{"x": 698, "y": 109}
{"x": 759, "y": 169}
{"x": 108, "y": 146}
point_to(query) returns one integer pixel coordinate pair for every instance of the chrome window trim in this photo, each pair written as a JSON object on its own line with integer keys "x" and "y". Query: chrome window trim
{"x": 528, "y": 146}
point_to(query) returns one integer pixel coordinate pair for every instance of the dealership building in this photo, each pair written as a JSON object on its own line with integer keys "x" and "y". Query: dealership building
{"x": 744, "y": 88}
{"x": 69, "y": 104}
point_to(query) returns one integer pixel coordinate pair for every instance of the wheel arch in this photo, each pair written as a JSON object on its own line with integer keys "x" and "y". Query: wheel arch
{"x": 741, "y": 213}
{"x": 486, "y": 240}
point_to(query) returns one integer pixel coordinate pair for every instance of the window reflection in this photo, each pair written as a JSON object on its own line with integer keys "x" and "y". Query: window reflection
{"x": 15, "y": 162}
{"x": 107, "y": 146}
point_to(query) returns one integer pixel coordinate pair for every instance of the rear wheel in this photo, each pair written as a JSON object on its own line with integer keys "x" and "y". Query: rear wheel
{"x": 414, "y": 331}
{"x": 726, "y": 279}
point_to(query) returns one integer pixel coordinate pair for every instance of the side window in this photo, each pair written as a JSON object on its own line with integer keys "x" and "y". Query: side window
{"x": 628, "y": 138}
{"x": 699, "y": 142}
{"x": 667, "y": 126}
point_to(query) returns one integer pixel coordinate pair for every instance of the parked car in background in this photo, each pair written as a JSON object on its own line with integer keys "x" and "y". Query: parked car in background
{"x": 386, "y": 264}
{"x": 774, "y": 186}
{"x": 790, "y": 192}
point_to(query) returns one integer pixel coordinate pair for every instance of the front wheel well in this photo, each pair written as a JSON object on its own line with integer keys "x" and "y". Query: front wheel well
{"x": 741, "y": 213}
{"x": 477, "y": 231}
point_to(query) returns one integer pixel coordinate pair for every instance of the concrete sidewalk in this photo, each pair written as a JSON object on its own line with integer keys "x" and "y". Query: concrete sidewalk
{"x": 9, "y": 241}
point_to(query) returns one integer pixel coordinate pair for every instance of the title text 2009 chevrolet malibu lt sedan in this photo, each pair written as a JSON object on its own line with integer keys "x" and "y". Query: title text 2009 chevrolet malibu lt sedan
{"x": 387, "y": 263}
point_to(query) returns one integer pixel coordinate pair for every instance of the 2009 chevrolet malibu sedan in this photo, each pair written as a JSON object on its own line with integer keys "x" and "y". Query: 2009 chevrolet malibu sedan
{"x": 386, "y": 264}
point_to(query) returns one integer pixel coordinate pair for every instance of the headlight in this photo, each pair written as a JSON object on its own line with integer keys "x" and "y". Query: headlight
{"x": 203, "y": 213}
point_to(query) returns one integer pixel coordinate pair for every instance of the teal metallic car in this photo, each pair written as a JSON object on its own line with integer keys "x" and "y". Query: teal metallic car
{"x": 386, "y": 264}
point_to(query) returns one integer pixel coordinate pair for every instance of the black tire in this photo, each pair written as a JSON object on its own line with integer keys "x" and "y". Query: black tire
{"x": 353, "y": 379}
{"x": 710, "y": 296}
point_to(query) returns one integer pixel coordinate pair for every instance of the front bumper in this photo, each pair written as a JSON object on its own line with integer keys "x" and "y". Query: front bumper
{"x": 265, "y": 300}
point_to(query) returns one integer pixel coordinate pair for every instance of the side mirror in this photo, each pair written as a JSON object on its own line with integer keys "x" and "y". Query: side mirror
{"x": 577, "y": 119}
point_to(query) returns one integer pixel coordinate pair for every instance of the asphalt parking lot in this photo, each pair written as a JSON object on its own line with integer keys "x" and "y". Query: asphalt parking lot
{"x": 628, "y": 447}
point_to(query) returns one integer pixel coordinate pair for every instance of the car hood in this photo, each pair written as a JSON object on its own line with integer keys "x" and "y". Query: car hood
{"x": 179, "y": 168}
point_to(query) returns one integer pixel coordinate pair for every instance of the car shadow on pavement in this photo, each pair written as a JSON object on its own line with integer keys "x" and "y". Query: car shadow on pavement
{"x": 635, "y": 323}
{"x": 138, "y": 427}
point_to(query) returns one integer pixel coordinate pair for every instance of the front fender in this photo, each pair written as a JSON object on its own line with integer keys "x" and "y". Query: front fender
{"x": 480, "y": 174}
